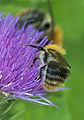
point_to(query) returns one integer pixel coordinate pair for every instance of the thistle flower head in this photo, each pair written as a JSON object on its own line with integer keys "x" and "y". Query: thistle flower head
{"x": 18, "y": 79}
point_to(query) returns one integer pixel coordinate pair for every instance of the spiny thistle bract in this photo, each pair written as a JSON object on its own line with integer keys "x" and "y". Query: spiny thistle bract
{"x": 17, "y": 77}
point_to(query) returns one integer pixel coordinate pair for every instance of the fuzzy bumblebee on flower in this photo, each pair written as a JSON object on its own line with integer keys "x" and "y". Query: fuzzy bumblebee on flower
{"x": 20, "y": 73}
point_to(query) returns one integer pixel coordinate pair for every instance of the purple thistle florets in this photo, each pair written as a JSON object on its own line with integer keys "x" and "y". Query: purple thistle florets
{"x": 18, "y": 80}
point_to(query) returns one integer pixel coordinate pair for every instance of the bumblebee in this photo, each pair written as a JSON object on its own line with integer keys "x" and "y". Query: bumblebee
{"x": 54, "y": 70}
{"x": 43, "y": 23}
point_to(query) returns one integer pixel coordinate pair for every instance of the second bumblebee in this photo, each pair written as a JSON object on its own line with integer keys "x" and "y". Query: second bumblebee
{"x": 42, "y": 22}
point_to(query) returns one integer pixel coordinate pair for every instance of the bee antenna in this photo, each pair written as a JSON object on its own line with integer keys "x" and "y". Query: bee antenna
{"x": 52, "y": 17}
{"x": 38, "y": 47}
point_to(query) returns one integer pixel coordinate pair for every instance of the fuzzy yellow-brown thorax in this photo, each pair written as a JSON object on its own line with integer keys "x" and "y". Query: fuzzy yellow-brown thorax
{"x": 56, "y": 48}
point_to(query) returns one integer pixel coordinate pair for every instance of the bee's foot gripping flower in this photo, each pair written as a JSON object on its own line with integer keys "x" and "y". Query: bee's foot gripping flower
{"x": 17, "y": 77}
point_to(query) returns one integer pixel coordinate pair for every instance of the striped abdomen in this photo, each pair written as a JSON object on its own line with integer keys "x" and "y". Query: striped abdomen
{"x": 56, "y": 75}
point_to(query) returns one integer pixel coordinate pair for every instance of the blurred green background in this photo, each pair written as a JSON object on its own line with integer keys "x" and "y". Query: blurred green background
{"x": 69, "y": 14}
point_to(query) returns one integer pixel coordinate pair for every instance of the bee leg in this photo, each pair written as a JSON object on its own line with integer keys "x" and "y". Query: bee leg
{"x": 37, "y": 58}
{"x": 40, "y": 72}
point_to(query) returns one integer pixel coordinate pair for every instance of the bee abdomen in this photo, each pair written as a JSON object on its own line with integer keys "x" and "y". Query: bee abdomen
{"x": 55, "y": 72}
{"x": 54, "y": 69}
{"x": 54, "y": 80}
{"x": 54, "y": 83}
